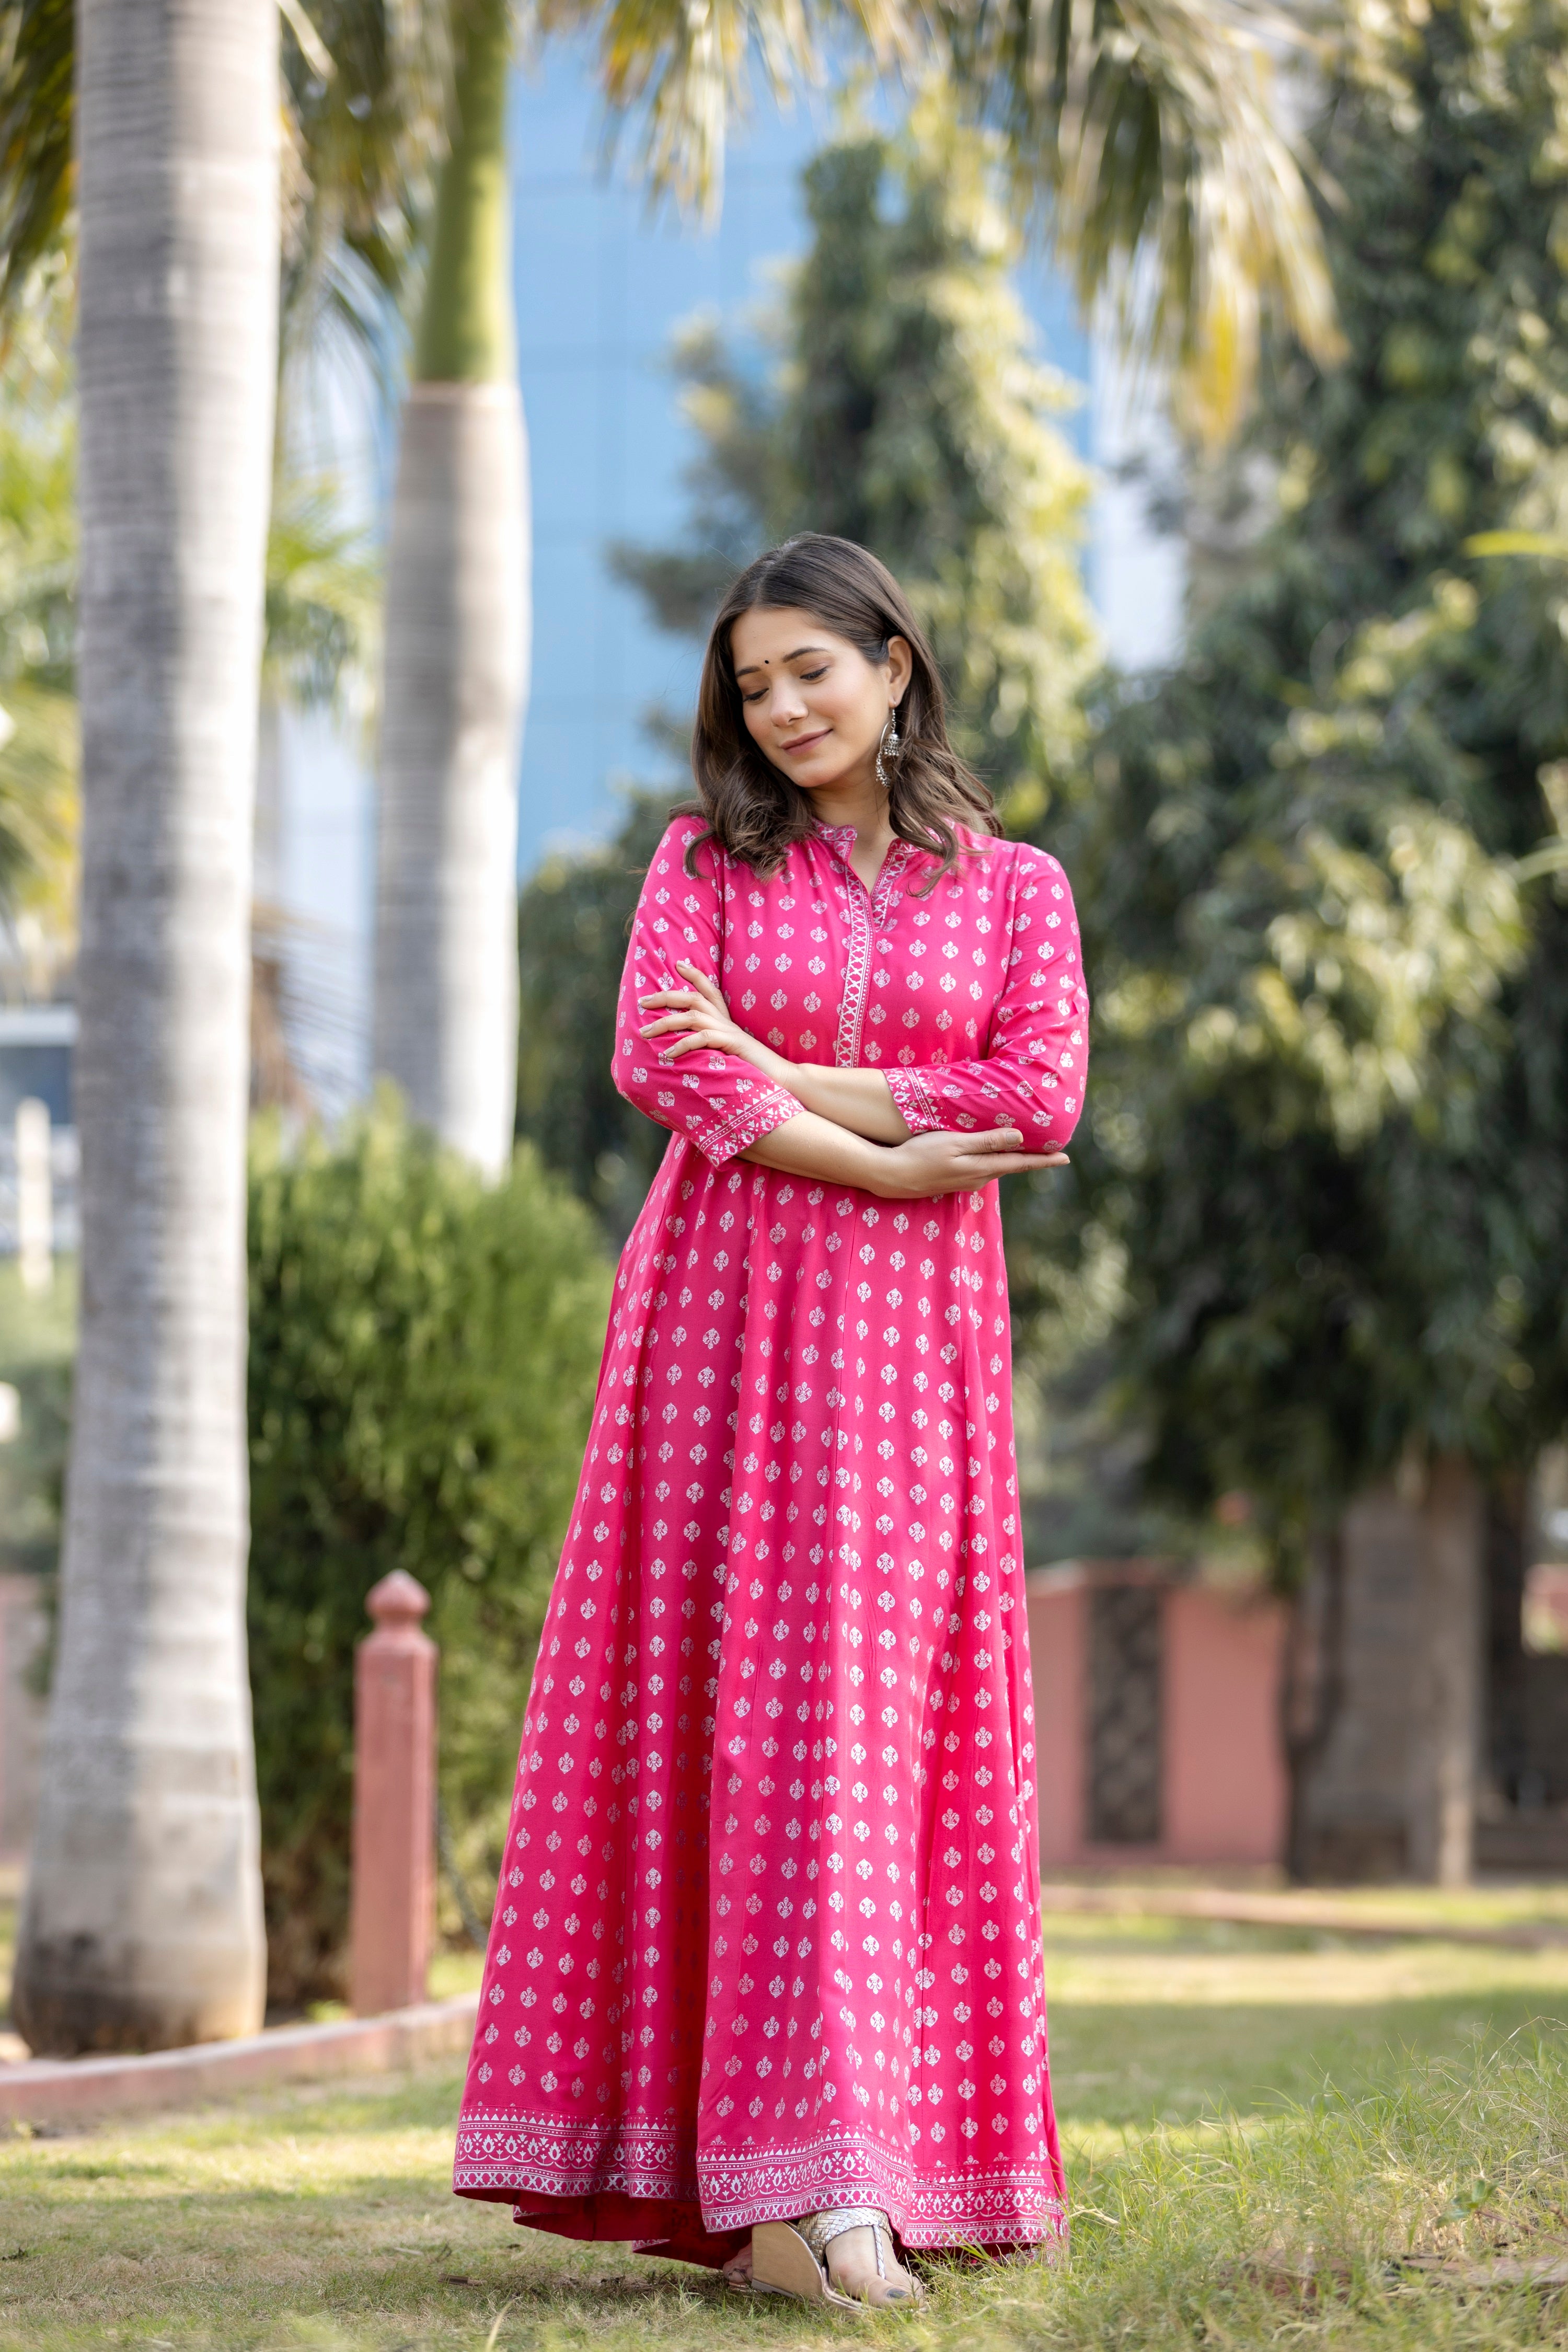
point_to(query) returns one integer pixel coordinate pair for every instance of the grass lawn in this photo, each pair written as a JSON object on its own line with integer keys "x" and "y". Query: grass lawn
{"x": 1193, "y": 2066}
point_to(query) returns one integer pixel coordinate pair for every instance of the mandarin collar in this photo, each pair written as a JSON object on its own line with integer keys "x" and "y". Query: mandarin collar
{"x": 839, "y": 837}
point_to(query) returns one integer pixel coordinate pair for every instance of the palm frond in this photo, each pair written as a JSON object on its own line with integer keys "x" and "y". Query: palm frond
{"x": 1549, "y": 543}
{"x": 685, "y": 68}
{"x": 1146, "y": 134}
{"x": 323, "y": 594}
{"x": 366, "y": 89}
{"x": 1149, "y": 134}
{"x": 40, "y": 757}
{"x": 38, "y": 48}
{"x": 364, "y": 103}
{"x": 39, "y": 760}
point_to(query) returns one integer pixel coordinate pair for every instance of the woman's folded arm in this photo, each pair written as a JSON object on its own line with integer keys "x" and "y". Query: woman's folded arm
{"x": 1031, "y": 1073}
{"x": 723, "y": 1103}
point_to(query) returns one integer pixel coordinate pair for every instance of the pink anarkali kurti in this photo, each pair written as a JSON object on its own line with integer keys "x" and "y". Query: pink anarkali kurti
{"x": 767, "y": 1939}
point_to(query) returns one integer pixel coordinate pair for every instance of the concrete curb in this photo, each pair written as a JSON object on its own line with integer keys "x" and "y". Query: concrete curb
{"x": 59, "y": 2089}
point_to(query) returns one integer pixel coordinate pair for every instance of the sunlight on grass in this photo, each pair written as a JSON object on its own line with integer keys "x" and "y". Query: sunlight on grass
{"x": 1209, "y": 2164}
{"x": 10, "y": 1895}
{"x": 1171, "y": 2020}
{"x": 1515, "y": 1903}
{"x": 455, "y": 1972}
{"x": 450, "y": 1973}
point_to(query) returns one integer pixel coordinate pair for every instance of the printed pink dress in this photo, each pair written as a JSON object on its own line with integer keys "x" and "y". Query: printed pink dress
{"x": 767, "y": 1936}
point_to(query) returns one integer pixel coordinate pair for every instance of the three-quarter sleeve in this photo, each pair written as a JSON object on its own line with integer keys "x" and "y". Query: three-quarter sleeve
{"x": 1031, "y": 1072}
{"x": 719, "y": 1101}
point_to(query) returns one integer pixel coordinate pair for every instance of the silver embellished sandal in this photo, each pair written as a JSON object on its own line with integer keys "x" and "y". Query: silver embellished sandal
{"x": 791, "y": 2258}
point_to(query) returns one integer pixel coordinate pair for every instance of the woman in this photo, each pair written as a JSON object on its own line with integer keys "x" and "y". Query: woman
{"x": 764, "y": 1988}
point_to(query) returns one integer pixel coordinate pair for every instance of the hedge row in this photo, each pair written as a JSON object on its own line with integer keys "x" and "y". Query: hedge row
{"x": 422, "y": 1355}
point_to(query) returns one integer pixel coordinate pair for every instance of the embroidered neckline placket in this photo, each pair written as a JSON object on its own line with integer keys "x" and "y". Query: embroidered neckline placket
{"x": 866, "y": 911}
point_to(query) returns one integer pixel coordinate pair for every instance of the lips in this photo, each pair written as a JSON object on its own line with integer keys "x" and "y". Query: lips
{"x": 805, "y": 743}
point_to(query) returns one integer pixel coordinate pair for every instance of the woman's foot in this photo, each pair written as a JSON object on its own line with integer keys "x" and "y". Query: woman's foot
{"x": 862, "y": 2260}
{"x": 737, "y": 2271}
{"x": 847, "y": 2258}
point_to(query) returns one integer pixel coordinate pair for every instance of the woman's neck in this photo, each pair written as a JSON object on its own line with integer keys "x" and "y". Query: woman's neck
{"x": 857, "y": 801}
{"x": 865, "y": 806}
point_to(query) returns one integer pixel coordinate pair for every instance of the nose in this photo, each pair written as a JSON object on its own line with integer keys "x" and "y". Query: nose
{"x": 787, "y": 706}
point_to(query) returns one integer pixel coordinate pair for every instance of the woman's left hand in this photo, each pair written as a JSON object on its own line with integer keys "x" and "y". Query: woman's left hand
{"x": 696, "y": 1017}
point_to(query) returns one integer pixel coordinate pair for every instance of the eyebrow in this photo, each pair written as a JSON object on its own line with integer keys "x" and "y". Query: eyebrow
{"x": 788, "y": 657}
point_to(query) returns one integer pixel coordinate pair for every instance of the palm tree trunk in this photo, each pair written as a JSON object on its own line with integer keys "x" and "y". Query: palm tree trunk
{"x": 1312, "y": 1689}
{"x": 456, "y": 651}
{"x": 1385, "y": 1696}
{"x": 1507, "y": 1527}
{"x": 1448, "y": 1675}
{"x": 141, "y": 1926}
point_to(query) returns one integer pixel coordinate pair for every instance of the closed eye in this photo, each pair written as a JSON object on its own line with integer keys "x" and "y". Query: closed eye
{"x": 805, "y": 677}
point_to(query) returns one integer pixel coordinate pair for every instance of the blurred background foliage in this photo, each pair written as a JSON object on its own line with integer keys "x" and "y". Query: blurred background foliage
{"x": 38, "y": 596}
{"x": 422, "y": 1356}
{"x": 1328, "y": 1138}
{"x": 1316, "y": 1216}
{"x": 37, "y": 1350}
{"x": 573, "y": 922}
{"x": 1317, "y": 1220}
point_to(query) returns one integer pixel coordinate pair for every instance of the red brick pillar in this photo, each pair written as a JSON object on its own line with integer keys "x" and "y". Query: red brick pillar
{"x": 393, "y": 1893}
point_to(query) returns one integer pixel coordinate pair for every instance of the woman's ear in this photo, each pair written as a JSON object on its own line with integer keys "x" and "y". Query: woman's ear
{"x": 901, "y": 669}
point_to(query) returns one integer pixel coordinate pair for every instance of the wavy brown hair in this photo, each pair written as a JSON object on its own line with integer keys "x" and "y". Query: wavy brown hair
{"x": 751, "y": 808}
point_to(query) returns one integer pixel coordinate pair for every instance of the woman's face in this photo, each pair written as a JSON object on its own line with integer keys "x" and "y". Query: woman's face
{"x": 812, "y": 702}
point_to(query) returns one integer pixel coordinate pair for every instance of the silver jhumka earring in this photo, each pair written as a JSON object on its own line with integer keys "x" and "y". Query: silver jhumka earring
{"x": 887, "y": 744}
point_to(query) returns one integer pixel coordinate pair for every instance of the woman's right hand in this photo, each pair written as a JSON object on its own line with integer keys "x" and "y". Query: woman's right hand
{"x": 938, "y": 1162}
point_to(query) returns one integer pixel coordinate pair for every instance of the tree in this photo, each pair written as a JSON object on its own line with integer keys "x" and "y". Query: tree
{"x": 1141, "y": 135}
{"x": 141, "y": 1925}
{"x": 323, "y": 596}
{"x": 1145, "y": 127}
{"x": 130, "y": 1937}
{"x": 322, "y": 631}
{"x": 363, "y": 120}
{"x": 1139, "y": 122}
{"x": 362, "y": 90}
{"x": 142, "y": 1922}
{"x": 456, "y": 649}
{"x": 1325, "y": 1131}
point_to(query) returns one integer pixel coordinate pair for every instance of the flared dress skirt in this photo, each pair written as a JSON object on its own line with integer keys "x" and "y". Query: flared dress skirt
{"x": 767, "y": 1937}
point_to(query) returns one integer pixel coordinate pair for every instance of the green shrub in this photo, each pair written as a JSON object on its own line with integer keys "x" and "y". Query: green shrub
{"x": 38, "y": 1354}
{"x": 423, "y": 1357}
{"x": 37, "y": 1359}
